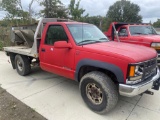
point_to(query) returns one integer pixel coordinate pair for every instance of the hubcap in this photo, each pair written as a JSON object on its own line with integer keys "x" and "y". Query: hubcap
{"x": 19, "y": 65}
{"x": 94, "y": 93}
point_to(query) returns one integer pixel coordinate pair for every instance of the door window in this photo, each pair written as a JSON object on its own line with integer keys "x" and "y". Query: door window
{"x": 55, "y": 33}
{"x": 123, "y": 32}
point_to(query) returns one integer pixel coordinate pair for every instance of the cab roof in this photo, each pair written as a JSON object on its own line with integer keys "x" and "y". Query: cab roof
{"x": 67, "y": 22}
{"x": 125, "y": 23}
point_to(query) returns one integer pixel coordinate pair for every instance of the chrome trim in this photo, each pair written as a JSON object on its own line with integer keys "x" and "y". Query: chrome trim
{"x": 146, "y": 68}
{"x": 158, "y": 58}
{"x": 138, "y": 63}
{"x": 133, "y": 90}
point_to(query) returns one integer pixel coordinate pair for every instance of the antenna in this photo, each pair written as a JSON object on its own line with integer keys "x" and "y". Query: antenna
{"x": 82, "y": 32}
{"x": 82, "y": 28}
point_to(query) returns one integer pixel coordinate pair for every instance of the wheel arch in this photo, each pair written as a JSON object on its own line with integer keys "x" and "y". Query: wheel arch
{"x": 87, "y": 65}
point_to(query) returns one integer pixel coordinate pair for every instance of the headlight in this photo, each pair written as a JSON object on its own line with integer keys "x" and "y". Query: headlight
{"x": 135, "y": 74}
{"x": 155, "y": 46}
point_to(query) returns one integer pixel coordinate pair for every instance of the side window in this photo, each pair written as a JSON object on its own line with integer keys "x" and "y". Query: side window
{"x": 123, "y": 32}
{"x": 55, "y": 33}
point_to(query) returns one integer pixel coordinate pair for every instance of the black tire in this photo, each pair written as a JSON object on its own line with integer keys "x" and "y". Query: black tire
{"x": 22, "y": 65}
{"x": 107, "y": 97}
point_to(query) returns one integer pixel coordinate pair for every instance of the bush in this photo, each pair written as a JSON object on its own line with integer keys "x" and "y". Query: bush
{"x": 1, "y": 45}
{"x": 4, "y": 37}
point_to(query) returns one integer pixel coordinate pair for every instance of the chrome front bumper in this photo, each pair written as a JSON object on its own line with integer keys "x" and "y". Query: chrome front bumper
{"x": 133, "y": 90}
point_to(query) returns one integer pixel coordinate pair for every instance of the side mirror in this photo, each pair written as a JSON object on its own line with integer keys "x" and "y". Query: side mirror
{"x": 115, "y": 32}
{"x": 62, "y": 44}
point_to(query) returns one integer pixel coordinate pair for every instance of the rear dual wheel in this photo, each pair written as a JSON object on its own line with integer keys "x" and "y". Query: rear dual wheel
{"x": 99, "y": 92}
{"x": 22, "y": 64}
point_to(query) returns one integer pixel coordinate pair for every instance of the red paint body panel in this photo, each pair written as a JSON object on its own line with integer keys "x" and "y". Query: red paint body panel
{"x": 63, "y": 61}
{"x": 56, "y": 60}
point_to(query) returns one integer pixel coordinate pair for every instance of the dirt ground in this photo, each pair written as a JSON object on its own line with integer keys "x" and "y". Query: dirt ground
{"x": 13, "y": 109}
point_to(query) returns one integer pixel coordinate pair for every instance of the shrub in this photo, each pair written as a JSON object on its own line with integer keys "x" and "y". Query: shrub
{"x": 1, "y": 45}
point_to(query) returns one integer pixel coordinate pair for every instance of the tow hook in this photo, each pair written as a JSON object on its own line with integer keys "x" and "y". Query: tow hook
{"x": 156, "y": 85}
{"x": 149, "y": 92}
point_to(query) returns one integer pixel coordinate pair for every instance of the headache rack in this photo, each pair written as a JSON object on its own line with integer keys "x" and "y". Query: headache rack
{"x": 27, "y": 37}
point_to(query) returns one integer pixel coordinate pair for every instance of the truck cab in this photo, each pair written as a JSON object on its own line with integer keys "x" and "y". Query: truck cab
{"x": 136, "y": 33}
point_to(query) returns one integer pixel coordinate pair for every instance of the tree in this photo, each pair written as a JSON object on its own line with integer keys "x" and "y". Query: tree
{"x": 11, "y": 6}
{"x": 157, "y": 24}
{"x": 53, "y": 8}
{"x": 93, "y": 20}
{"x": 30, "y": 10}
{"x": 99, "y": 21}
{"x": 15, "y": 13}
{"x": 124, "y": 11}
{"x": 76, "y": 12}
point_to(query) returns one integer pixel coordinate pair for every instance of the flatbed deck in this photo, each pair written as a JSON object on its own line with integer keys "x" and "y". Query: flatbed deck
{"x": 23, "y": 50}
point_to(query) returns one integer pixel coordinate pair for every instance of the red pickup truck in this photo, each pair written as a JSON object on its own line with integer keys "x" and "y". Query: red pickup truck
{"x": 135, "y": 33}
{"x": 105, "y": 69}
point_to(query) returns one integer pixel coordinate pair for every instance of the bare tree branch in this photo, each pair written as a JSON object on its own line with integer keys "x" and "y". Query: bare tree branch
{"x": 30, "y": 10}
{"x": 20, "y": 4}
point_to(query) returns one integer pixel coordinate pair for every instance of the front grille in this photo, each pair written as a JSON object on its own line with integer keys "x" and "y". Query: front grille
{"x": 150, "y": 63}
{"x": 150, "y": 69}
{"x": 150, "y": 73}
{"x": 158, "y": 61}
{"x": 158, "y": 51}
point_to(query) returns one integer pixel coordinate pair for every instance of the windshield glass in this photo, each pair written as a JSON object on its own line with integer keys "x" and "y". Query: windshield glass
{"x": 86, "y": 33}
{"x": 142, "y": 30}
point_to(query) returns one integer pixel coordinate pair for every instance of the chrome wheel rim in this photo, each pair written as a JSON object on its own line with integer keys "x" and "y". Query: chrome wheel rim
{"x": 94, "y": 93}
{"x": 19, "y": 65}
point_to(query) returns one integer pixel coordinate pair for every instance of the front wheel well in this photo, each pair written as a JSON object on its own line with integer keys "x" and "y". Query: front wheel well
{"x": 86, "y": 69}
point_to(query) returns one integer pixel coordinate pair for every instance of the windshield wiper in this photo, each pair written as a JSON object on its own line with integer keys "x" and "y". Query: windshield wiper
{"x": 103, "y": 39}
{"x": 141, "y": 33}
{"x": 92, "y": 41}
{"x": 152, "y": 34}
{"x": 138, "y": 33}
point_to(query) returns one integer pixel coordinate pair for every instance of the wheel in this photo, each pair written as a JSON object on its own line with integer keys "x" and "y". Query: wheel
{"x": 22, "y": 64}
{"x": 98, "y": 92}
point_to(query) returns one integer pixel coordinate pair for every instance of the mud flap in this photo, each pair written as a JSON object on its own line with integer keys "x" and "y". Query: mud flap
{"x": 12, "y": 57}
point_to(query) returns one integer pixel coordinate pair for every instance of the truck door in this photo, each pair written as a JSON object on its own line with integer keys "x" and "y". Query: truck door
{"x": 123, "y": 34}
{"x": 56, "y": 60}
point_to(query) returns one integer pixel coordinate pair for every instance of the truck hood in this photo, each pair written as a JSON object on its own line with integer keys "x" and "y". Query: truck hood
{"x": 122, "y": 51}
{"x": 149, "y": 38}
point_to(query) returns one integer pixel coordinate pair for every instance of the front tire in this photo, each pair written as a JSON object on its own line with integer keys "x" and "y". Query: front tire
{"x": 98, "y": 92}
{"x": 22, "y": 65}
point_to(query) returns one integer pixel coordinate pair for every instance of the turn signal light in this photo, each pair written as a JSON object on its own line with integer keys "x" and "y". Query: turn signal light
{"x": 132, "y": 71}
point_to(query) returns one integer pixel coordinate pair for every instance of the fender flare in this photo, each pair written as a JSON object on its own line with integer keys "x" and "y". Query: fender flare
{"x": 104, "y": 65}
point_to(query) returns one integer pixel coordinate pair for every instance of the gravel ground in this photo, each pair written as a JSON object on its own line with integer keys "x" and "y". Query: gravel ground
{"x": 13, "y": 109}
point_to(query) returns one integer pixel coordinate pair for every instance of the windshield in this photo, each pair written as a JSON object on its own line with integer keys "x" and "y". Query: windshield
{"x": 142, "y": 30}
{"x": 86, "y": 34}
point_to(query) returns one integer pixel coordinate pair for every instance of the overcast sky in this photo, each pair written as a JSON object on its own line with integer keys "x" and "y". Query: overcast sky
{"x": 150, "y": 9}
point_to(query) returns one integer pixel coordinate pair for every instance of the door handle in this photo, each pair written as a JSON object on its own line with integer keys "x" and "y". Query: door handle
{"x": 43, "y": 50}
{"x": 51, "y": 49}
